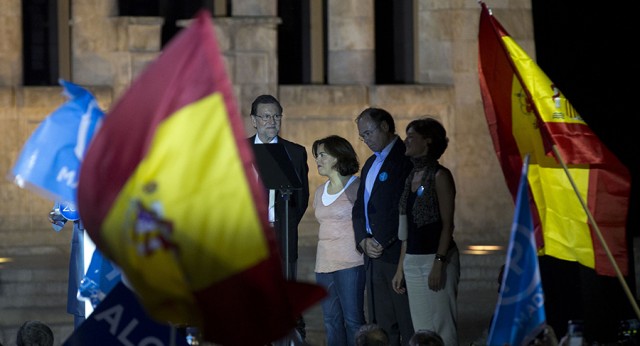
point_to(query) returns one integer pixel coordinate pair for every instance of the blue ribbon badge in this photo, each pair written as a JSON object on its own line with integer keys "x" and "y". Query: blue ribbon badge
{"x": 383, "y": 176}
{"x": 68, "y": 210}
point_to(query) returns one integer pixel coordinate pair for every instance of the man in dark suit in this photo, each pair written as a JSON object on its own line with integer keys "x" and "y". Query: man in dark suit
{"x": 266, "y": 118}
{"x": 75, "y": 306}
{"x": 375, "y": 222}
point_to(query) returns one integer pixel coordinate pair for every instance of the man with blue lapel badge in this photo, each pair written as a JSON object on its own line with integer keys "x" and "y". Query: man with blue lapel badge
{"x": 375, "y": 222}
{"x": 59, "y": 215}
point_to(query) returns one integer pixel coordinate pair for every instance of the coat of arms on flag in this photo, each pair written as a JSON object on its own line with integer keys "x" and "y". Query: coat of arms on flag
{"x": 167, "y": 192}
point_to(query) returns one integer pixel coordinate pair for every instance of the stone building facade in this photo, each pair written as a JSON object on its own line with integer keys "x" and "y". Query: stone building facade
{"x": 108, "y": 51}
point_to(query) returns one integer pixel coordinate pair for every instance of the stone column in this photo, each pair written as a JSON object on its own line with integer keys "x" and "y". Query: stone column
{"x": 249, "y": 47}
{"x": 434, "y": 32}
{"x": 351, "y": 47}
{"x": 137, "y": 45}
{"x": 92, "y": 41}
{"x": 249, "y": 42}
{"x": 108, "y": 49}
{"x": 10, "y": 43}
{"x": 254, "y": 8}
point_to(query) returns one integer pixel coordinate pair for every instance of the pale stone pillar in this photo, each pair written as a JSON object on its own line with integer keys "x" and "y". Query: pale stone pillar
{"x": 254, "y": 8}
{"x": 351, "y": 47}
{"x": 10, "y": 43}
{"x": 433, "y": 46}
{"x": 249, "y": 42}
{"x": 108, "y": 49}
{"x": 249, "y": 46}
{"x": 92, "y": 41}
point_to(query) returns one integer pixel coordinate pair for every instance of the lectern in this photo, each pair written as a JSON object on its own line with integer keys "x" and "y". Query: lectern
{"x": 277, "y": 173}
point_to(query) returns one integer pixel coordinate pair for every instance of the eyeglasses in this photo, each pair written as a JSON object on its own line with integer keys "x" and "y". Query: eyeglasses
{"x": 368, "y": 133}
{"x": 266, "y": 118}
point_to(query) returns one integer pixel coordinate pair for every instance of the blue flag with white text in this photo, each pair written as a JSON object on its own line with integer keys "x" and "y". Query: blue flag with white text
{"x": 50, "y": 159}
{"x": 120, "y": 320}
{"x": 519, "y": 314}
{"x": 100, "y": 278}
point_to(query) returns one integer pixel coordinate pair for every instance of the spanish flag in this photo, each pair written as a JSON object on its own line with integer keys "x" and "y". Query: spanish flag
{"x": 527, "y": 113}
{"x": 167, "y": 191}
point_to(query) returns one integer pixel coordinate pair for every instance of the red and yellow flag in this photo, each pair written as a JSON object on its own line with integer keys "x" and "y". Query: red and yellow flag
{"x": 527, "y": 113}
{"x": 167, "y": 191}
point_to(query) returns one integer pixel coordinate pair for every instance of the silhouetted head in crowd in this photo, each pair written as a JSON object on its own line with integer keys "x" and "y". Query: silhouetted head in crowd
{"x": 34, "y": 333}
{"x": 372, "y": 335}
{"x": 425, "y": 337}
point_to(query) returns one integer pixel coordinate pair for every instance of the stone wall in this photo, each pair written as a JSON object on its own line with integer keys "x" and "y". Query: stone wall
{"x": 110, "y": 51}
{"x": 10, "y": 43}
{"x": 314, "y": 112}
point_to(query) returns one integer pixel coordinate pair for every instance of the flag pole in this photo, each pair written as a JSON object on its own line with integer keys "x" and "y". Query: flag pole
{"x": 625, "y": 287}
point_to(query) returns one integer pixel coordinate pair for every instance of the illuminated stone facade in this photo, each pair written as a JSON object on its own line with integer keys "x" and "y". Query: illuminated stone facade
{"x": 108, "y": 52}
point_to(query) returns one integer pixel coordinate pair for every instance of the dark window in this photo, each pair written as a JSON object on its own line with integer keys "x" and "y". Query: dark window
{"x": 40, "y": 42}
{"x": 135, "y": 8}
{"x": 298, "y": 61}
{"x": 292, "y": 46}
{"x": 394, "y": 41}
{"x": 171, "y": 10}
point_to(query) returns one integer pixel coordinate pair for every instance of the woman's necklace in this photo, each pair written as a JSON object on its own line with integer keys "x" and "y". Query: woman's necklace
{"x": 423, "y": 180}
{"x": 418, "y": 179}
{"x": 422, "y": 163}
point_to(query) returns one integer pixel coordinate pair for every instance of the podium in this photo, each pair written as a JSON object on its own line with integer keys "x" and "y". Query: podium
{"x": 277, "y": 173}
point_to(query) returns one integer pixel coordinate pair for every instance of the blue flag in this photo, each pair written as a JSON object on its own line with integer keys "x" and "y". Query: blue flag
{"x": 50, "y": 159}
{"x": 101, "y": 277}
{"x": 120, "y": 320}
{"x": 519, "y": 314}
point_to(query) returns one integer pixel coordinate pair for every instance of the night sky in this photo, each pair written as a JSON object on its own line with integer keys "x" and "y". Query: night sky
{"x": 588, "y": 52}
